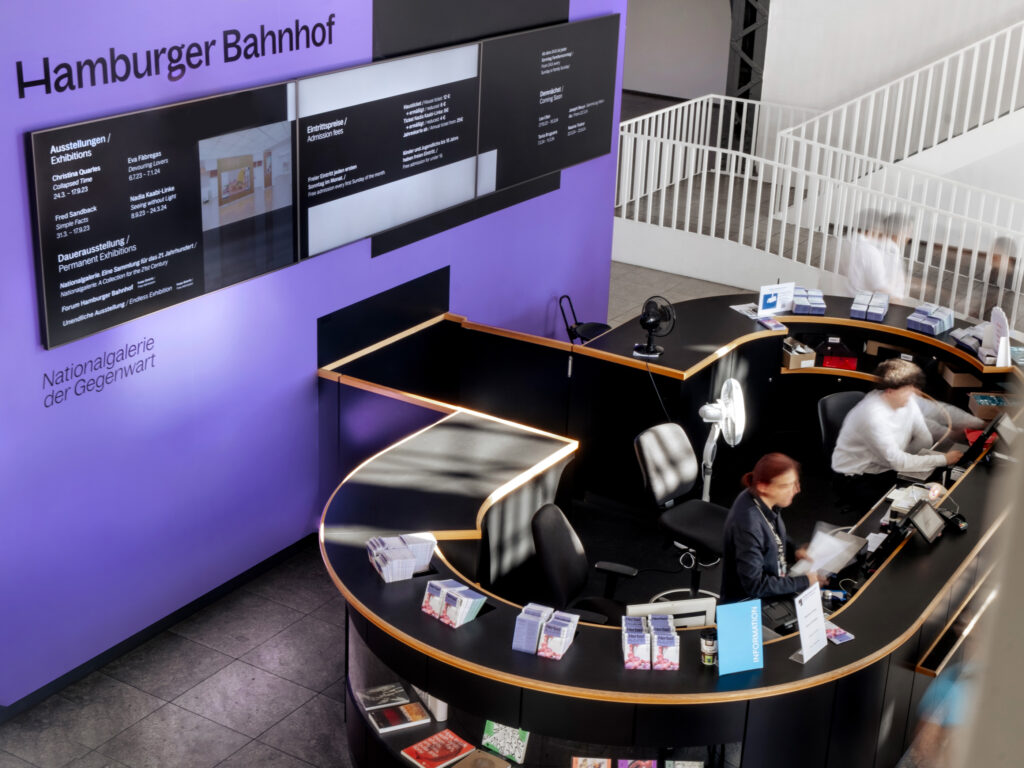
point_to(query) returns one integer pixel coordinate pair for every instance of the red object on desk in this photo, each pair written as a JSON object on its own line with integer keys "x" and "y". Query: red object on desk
{"x": 974, "y": 434}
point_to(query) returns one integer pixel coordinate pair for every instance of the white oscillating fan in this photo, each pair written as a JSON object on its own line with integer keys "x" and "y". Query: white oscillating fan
{"x": 727, "y": 417}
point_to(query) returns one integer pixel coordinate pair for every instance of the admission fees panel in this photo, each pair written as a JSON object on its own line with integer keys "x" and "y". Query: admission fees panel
{"x": 141, "y": 211}
{"x": 385, "y": 144}
{"x": 546, "y": 98}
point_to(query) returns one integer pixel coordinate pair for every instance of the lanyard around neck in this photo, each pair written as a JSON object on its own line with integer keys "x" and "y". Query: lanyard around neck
{"x": 778, "y": 539}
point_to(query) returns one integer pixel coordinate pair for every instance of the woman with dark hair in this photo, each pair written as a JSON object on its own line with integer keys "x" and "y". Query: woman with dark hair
{"x": 756, "y": 551}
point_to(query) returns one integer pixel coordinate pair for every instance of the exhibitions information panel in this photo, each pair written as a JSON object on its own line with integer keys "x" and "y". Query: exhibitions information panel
{"x": 141, "y": 211}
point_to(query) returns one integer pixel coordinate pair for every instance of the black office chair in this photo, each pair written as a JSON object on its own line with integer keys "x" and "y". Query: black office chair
{"x": 576, "y": 330}
{"x": 670, "y": 469}
{"x": 565, "y": 566}
{"x": 832, "y": 410}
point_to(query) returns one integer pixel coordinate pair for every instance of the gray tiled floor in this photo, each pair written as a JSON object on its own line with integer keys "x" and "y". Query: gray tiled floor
{"x": 255, "y": 680}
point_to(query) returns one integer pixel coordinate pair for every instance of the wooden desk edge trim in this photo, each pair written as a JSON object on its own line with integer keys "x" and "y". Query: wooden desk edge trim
{"x": 644, "y": 698}
{"x": 832, "y": 372}
{"x": 919, "y": 667}
{"x": 871, "y": 325}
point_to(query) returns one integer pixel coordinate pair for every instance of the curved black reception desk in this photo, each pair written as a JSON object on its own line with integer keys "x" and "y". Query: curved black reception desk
{"x": 474, "y": 480}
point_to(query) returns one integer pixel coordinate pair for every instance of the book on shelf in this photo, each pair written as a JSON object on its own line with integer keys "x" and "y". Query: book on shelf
{"x": 437, "y": 751}
{"x": 591, "y": 762}
{"x": 389, "y": 719}
{"x": 437, "y": 707}
{"x": 479, "y": 758}
{"x": 505, "y": 740}
{"x": 388, "y": 695}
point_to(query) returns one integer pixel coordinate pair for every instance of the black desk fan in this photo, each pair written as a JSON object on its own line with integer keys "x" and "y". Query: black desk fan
{"x": 658, "y": 318}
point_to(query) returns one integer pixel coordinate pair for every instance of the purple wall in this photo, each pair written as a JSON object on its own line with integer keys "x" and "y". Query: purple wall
{"x": 119, "y": 507}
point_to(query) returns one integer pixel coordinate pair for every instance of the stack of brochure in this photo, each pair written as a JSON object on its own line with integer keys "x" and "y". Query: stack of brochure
{"x": 636, "y": 643}
{"x": 808, "y": 301}
{"x": 870, "y": 306}
{"x": 971, "y": 339}
{"x": 461, "y": 606}
{"x": 528, "y": 626}
{"x": 433, "y": 596}
{"x": 664, "y": 642}
{"x": 398, "y": 557}
{"x": 930, "y": 319}
{"x": 557, "y": 635}
{"x": 451, "y": 601}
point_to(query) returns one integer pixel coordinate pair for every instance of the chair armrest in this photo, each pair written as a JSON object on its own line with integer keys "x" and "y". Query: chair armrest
{"x": 617, "y": 569}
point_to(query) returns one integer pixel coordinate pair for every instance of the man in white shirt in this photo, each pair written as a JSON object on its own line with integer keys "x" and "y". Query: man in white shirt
{"x": 885, "y": 433}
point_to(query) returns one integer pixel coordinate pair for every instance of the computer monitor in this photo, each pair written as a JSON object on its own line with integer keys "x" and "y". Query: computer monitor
{"x": 694, "y": 612}
{"x": 973, "y": 453}
{"x": 928, "y": 522}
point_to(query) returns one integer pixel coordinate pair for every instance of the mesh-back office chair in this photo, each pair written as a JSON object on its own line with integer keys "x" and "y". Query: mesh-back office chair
{"x": 670, "y": 469}
{"x": 576, "y": 330}
{"x": 565, "y": 567}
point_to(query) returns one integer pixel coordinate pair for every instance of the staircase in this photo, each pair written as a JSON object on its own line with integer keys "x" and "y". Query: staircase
{"x": 793, "y": 184}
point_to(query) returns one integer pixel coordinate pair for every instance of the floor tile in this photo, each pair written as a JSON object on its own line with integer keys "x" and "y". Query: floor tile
{"x": 93, "y": 760}
{"x": 237, "y": 623}
{"x": 244, "y": 698}
{"x": 315, "y": 733}
{"x": 104, "y": 707}
{"x": 310, "y": 652}
{"x": 256, "y": 755}
{"x": 7, "y": 760}
{"x": 174, "y": 738}
{"x": 336, "y": 691}
{"x": 167, "y": 666}
{"x": 38, "y": 736}
{"x": 301, "y": 583}
{"x": 333, "y": 611}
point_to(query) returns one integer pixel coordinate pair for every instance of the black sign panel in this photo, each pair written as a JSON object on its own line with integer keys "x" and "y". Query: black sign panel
{"x": 410, "y": 26}
{"x": 350, "y": 150}
{"x": 141, "y": 211}
{"x": 547, "y": 97}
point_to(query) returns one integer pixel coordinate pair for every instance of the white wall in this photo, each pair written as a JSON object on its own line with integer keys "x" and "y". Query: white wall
{"x": 821, "y": 53}
{"x": 1001, "y": 172}
{"x": 677, "y": 47}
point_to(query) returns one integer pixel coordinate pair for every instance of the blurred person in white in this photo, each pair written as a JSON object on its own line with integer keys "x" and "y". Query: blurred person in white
{"x": 867, "y": 270}
{"x": 1002, "y": 264}
{"x": 896, "y": 228}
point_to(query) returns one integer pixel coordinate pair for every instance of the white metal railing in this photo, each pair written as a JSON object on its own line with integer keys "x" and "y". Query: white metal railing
{"x": 711, "y": 122}
{"x": 987, "y": 207}
{"x": 948, "y": 258}
{"x": 938, "y": 102}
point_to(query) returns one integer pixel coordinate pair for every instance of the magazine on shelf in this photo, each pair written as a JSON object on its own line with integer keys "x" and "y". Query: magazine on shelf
{"x": 390, "y": 719}
{"x": 505, "y": 740}
{"x": 591, "y": 762}
{"x": 388, "y": 695}
{"x": 630, "y": 763}
{"x": 437, "y": 751}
